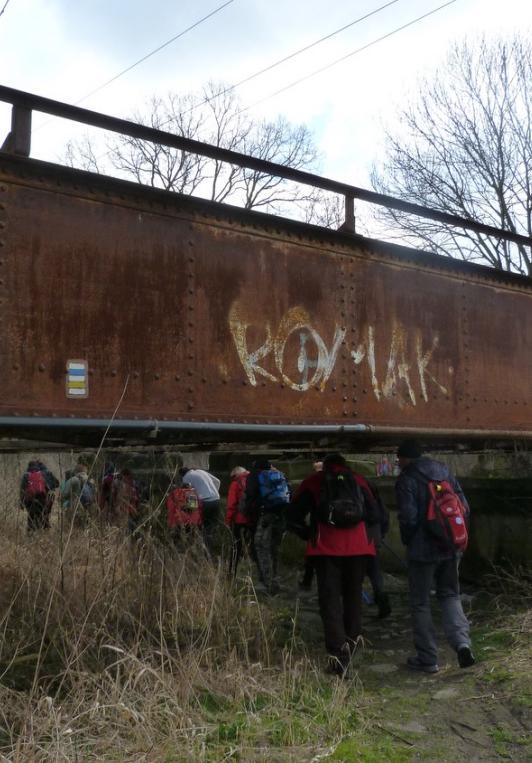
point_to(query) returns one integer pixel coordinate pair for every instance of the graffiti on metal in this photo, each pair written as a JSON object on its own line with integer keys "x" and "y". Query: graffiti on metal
{"x": 406, "y": 377}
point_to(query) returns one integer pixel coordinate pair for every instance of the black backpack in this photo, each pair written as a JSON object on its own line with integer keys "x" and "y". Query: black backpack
{"x": 342, "y": 501}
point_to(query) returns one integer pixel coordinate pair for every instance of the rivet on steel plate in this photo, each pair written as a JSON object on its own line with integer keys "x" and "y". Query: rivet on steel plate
{"x": 177, "y": 377}
{"x": 191, "y": 291}
{"x": 156, "y": 376}
{"x": 114, "y": 372}
{"x": 136, "y": 374}
{"x": 190, "y": 372}
{"x": 2, "y": 242}
{"x": 42, "y": 367}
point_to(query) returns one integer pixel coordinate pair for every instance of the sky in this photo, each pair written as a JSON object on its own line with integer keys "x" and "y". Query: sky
{"x": 64, "y": 49}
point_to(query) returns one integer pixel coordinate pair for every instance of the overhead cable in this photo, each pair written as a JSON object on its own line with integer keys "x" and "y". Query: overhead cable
{"x": 4, "y": 7}
{"x": 280, "y": 61}
{"x": 348, "y": 55}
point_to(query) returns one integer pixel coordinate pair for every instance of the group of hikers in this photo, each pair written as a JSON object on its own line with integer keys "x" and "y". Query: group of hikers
{"x": 339, "y": 514}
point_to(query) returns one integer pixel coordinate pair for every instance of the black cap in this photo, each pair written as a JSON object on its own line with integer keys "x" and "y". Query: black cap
{"x": 409, "y": 449}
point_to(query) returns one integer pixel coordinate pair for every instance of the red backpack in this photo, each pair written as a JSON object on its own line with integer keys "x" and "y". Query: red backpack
{"x": 446, "y": 516}
{"x": 183, "y": 507}
{"x": 36, "y": 486}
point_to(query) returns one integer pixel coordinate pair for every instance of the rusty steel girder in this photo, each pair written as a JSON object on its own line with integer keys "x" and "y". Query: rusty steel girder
{"x": 126, "y": 303}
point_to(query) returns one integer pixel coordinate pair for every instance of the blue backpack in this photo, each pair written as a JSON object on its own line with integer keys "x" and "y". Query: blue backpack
{"x": 274, "y": 490}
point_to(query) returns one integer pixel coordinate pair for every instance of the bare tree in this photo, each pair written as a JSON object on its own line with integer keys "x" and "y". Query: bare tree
{"x": 218, "y": 118}
{"x": 465, "y": 147}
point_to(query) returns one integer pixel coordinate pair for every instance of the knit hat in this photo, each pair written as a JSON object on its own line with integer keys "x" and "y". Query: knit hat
{"x": 409, "y": 449}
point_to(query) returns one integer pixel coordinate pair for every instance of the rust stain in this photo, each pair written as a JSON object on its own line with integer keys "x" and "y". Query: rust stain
{"x": 200, "y": 320}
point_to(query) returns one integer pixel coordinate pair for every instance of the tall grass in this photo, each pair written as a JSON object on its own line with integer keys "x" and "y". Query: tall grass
{"x": 113, "y": 650}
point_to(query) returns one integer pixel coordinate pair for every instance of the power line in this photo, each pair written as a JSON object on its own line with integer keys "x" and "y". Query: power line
{"x": 156, "y": 50}
{"x": 348, "y": 55}
{"x": 271, "y": 66}
{"x": 280, "y": 61}
{"x": 144, "y": 58}
{"x": 5, "y": 6}
{"x": 333, "y": 63}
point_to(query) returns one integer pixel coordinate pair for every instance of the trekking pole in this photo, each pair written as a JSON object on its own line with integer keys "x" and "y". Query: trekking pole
{"x": 393, "y": 553}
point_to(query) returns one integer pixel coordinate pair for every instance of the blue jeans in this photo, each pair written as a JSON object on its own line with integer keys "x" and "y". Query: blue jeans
{"x": 422, "y": 576}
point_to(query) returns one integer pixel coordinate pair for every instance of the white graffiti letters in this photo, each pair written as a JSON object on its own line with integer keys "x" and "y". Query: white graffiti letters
{"x": 315, "y": 362}
{"x": 296, "y": 319}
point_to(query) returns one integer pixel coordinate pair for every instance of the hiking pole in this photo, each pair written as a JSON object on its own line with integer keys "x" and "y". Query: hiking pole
{"x": 393, "y": 553}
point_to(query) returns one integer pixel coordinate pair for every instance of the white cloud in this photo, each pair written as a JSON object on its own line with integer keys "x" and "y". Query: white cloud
{"x": 64, "y": 49}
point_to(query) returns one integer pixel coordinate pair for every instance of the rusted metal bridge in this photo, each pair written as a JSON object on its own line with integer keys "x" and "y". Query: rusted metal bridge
{"x": 150, "y": 316}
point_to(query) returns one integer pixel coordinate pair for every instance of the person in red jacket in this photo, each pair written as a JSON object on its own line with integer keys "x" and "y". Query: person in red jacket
{"x": 236, "y": 519}
{"x": 184, "y": 514}
{"x": 338, "y": 542}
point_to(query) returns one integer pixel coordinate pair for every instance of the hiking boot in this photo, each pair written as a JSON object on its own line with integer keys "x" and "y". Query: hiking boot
{"x": 414, "y": 663}
{"x": 383, "y": 603}
{"x": 338, "y": 665}
{"x": 465, "y": 656}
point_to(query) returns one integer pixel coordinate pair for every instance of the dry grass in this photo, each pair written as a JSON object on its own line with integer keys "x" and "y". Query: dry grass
{"x": 116, "y": 651}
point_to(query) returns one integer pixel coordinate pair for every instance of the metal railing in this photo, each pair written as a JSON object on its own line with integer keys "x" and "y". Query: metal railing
{"x": 19, "y": 142}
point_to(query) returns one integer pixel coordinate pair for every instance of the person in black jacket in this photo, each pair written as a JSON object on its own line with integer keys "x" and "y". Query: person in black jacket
{"x": 428, "y": 564}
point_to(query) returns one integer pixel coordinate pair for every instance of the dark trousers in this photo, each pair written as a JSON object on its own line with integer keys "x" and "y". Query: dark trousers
{"x": 374, "y": 573}
{"x": 38, "y": 515}
{"x": 444, "y": 576}
{"x": 211, "y": 518}
{"x": 242, "y": 541}
{"x": 340, "y": 599}
{"x": 268, "y": 537}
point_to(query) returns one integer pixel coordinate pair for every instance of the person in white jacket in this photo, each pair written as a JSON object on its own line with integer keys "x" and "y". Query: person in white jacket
{"x": 207, "y": 487}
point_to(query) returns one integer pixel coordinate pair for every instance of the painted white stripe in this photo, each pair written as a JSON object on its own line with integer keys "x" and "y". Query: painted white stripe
{"x": 77, "y": 366}
{"x": 77, "y": 378}
{"x": 77, "y": 391}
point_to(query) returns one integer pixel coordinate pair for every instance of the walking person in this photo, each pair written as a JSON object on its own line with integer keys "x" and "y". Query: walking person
{"x": 207, "y": 486}
{"x": 267, "y": 499}
{"x": 237, "y": 520}
{"x": 184, "y": 514}
{"x": 432, "y": 563}
{"x": 127, "y": 499}
{"x": 78, "y": 495}
{"x": 340, "y": 506}
{"x": 37, "y": 495}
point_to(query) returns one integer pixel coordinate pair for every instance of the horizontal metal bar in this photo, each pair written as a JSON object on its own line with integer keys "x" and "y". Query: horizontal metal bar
{"x": 126, "y": 127}
{"x": 36, "y": 422}
{"x": 186, "y": 426}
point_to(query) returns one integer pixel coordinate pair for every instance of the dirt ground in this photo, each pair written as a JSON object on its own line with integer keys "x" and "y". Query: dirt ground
{"x": 483, "y": 713}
